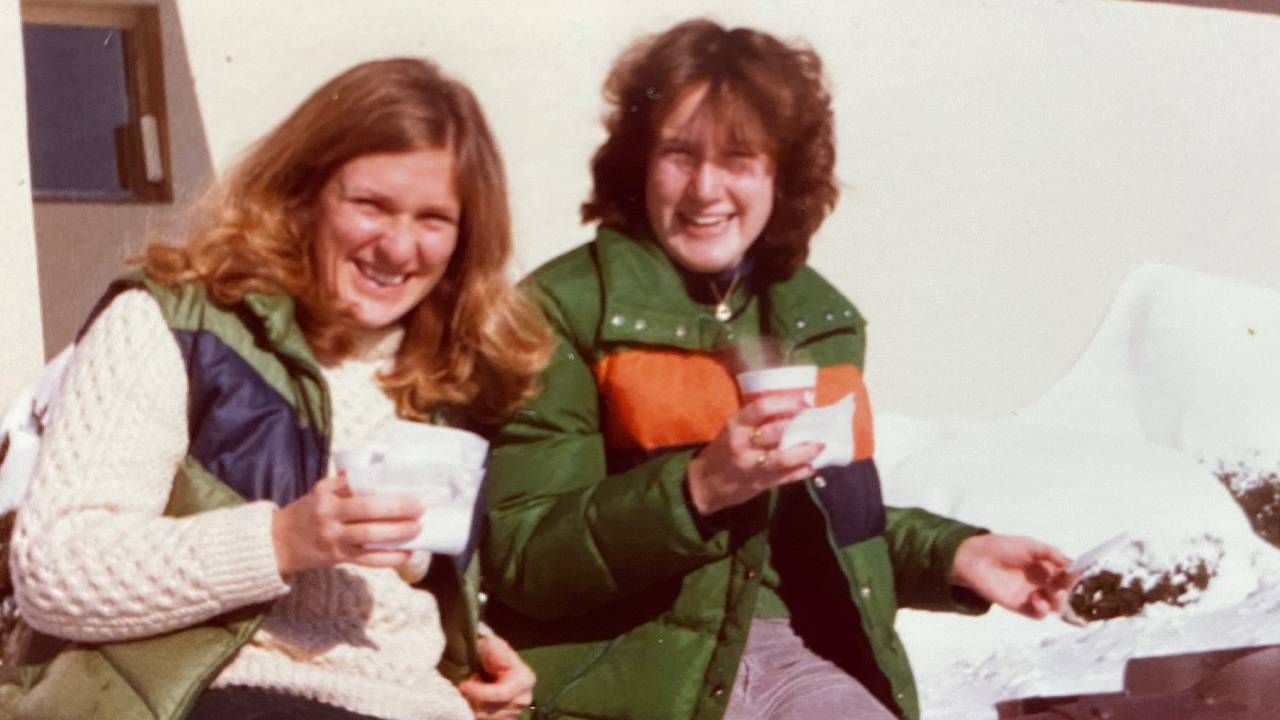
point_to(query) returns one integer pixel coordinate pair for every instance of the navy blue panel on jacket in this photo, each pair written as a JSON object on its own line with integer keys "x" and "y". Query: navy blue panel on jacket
{"x": 851, "y": 496}
{"x": 243, "y": 430}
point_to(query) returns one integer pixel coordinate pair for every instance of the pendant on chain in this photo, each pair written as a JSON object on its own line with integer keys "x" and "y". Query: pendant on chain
{"x": 723, "y": 312}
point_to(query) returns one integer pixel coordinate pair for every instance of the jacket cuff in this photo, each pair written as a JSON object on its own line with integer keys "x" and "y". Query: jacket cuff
{"x": 958, "y": 599}
{"x": 706, "y": 525}
{"x": 695, "y": 533}
{"x": 657, "y": 521}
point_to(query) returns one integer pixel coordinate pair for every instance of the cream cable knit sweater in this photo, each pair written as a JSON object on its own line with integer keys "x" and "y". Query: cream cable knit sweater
{"x": 95, "y": 560}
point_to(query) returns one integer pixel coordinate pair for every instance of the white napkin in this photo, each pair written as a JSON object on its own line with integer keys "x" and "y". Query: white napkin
{"x": 831, "y": 425}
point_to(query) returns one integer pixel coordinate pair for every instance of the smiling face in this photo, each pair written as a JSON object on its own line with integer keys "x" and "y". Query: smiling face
{"x": 386, "y": 227}
{"x": 708, "y": 196}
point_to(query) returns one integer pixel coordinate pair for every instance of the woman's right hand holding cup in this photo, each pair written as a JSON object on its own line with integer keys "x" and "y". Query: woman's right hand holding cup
{"x": 330, "y": 525}
{"x": 744, "y": 460}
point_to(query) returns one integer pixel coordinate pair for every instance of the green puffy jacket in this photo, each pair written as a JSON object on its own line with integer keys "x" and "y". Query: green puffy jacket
{"x": 625, "y": 604}
{"x": 256, "y": 344}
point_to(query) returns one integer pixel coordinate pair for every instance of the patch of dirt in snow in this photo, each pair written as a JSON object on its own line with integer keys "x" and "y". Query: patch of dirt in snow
{"x": 1135, "y": 575}
{"x": 1258, "y": 492}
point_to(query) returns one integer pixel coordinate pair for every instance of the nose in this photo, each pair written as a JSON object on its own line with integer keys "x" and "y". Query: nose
{"x": 708, "y": 181}
{"x": 398, "y": 242}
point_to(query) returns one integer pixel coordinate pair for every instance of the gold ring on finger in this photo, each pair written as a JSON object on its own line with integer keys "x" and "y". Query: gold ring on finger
{"x": 762, "y": 460}
{"x": 756, "y": 435}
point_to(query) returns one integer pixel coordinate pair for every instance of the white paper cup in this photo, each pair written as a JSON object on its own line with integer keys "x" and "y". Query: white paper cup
{"x": 363, "y": 467}
{"x": 801, "y": 379}
{"x": 441, "y": 467}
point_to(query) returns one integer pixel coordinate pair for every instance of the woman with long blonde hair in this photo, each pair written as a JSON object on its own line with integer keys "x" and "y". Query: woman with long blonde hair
{"x": 187, "y": 549}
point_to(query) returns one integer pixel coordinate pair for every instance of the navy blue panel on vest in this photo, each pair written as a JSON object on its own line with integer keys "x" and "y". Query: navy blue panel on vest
{"x": 242, "y": 429}
{"x": 851, "y": 496}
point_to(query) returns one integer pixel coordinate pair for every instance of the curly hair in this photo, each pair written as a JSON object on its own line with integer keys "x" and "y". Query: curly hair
{"x": 783, "y": 88}
{"x": 475, "y": 344}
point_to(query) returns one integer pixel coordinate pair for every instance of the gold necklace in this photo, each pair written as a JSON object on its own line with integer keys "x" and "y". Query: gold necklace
{"x": 723, "y": 312}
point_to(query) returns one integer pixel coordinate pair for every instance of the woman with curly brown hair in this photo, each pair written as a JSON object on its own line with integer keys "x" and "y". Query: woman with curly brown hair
{"x": 187, "y": 549}
{"x": 655, "y": 551}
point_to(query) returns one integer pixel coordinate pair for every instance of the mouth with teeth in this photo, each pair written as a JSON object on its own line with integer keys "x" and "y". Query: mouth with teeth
{"x": 705, "y": 224}
{"x": 380, "y": 277}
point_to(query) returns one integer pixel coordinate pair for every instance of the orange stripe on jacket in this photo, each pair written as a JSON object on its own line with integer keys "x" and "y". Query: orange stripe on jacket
{"x": 665, "y": 398}
{"x": 661, "y": 398}
{"x": 836, "y": 381}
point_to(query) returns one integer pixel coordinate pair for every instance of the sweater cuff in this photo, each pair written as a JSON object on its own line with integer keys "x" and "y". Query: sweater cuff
{"x": 239, "y": 556}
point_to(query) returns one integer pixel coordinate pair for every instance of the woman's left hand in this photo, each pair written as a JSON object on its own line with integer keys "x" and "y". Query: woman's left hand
{"x": 1017, "y": 573}
{"x": 507, "y": 691}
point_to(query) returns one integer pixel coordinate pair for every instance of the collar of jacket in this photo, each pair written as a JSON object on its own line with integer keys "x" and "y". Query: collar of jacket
{"x": 645, "y": 301}
{"x": 277, "y": 313}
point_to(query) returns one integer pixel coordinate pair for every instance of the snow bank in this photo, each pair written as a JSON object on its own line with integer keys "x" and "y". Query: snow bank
{"x": 1179, "y": 380}
{"x": 1183, "y": 359}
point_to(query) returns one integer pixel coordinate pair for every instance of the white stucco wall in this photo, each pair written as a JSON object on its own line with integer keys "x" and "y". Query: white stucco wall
{"x": 21, "y": 350}
{"x": 1005, "y": 162}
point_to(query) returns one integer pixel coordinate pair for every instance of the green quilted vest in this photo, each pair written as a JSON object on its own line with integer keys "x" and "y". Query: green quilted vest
{"x": 161, "y": 677}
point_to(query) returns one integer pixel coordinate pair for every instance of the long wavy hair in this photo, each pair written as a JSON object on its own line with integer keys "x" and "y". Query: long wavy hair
{"x": 787, "y": 108}
{"x": 474, "y": 344}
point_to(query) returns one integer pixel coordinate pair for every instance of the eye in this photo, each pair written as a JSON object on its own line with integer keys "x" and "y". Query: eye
{"x": 744, "y": 161}
{"x": 436, "y": 219}
{"x": 368, "y": 205}
{"x": 677, "y": 152}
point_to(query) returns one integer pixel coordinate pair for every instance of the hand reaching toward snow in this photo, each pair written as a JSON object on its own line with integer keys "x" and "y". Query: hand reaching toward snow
{"x": 1016, "y": 573}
